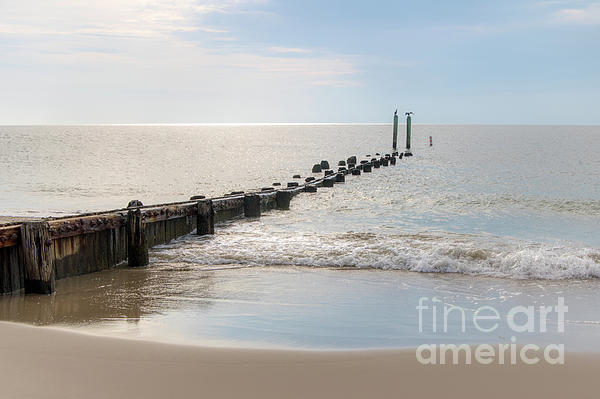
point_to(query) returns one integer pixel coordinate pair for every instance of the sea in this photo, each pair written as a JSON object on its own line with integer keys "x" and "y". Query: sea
{"x": 488, "y": 220}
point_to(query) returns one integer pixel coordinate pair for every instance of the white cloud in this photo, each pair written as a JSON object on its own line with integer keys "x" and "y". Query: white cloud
{"x": 213, "y": 30}
{"x": 145, "y": 18}
{"x": 286, "y": 50}
{"x": 166, "y": 47}
{"x": 588, "y": 15}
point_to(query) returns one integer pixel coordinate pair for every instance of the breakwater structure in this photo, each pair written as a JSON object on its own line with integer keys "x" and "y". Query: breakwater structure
{"x": 34, "y": 254}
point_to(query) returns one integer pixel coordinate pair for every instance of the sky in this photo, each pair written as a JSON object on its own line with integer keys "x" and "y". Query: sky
{"x": 237, "y": 61}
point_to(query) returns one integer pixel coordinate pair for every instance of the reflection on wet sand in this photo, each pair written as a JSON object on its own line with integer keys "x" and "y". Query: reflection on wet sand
{"x": 118, "y": 294}
{"x": 178, "y": 301}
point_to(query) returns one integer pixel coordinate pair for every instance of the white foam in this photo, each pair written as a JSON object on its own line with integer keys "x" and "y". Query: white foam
{"x": 248, "y": 245}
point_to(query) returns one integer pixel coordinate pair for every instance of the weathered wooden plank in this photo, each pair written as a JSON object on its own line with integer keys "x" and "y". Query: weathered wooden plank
{"x": 169, "y": 212}
{"x": 39, "y": 274}
{"x": 9, "y": 236}
{"x": 268, "y": 201}
{"x": 228, "y": 208}
{"x": 11, "y": 275}
{"x": 121, "y": 239}
{"x": 205, "y": 223}
{"x": 85, "y": 225}
{"x": 169, "y": 227}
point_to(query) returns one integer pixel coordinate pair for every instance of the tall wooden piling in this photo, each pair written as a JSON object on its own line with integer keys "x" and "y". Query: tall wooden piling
{"x": 205, "y": 222}
{"x": 283, "y": 199}
{"x": 39, "y": 275}
{"x": 408, "y": 133}
{"x": 252, "y": 205}
{"x": 137, "y": 245}
{"x": 395, "y": 139}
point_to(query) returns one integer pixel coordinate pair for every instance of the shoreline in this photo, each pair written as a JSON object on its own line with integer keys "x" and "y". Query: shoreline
{"x": 243, "y": 308}
{"x": 63, "y": 364}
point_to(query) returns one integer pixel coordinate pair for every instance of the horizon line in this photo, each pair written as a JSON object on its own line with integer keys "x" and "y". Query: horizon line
{"x": 287, "y": 124}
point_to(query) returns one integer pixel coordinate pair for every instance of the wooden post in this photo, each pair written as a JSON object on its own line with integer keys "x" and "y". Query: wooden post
{"x": 137, "y": 246}
{"x": 206, "y": 218}
{"x": 395, "y": 139}
{"x": 39, "y": 275}
{"x": 283, "y": 199}
{"x": 408, "y": 153}
{"x": 252, "y": 205}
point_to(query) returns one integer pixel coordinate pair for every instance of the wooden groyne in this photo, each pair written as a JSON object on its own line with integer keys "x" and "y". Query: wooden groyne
{"x": 34, "y": 254}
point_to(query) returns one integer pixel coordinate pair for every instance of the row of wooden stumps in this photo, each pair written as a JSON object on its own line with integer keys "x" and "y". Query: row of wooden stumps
{"x": 38, "y": 271}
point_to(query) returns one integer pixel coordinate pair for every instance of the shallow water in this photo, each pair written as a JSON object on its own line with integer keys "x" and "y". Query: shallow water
{"x": 504, "y": 215}
{"x": 303, "y": 308}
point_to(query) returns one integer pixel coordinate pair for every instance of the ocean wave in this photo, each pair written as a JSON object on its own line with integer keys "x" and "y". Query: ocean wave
{"x": 424, "y": 252}
{"x": 467, "y": 202}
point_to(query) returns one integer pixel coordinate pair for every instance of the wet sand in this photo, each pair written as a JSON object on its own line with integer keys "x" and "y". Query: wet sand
{"x": 51, "y": 363}
{"x": 295, "y": 307}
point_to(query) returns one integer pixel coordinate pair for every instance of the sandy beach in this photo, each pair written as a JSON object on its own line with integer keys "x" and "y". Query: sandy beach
{"x": 53, "y": 363}
{"x": 281, "y": 199}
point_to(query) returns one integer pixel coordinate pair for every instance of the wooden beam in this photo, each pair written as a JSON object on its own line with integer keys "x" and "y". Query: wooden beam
{"x": 137, "y": 246}
{"x": 39, "y": 276}
{"x": 252, "y": 205}
{"x": 169, "y": 212}
{"x": 283, "y": 199}
{"x": 206, "y": 218}
{"x": 9, "y": 236}
{"x": 63, "y": 228}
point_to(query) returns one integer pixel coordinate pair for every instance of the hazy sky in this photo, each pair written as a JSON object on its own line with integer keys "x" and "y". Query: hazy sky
{"x": 186, "y": 61}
